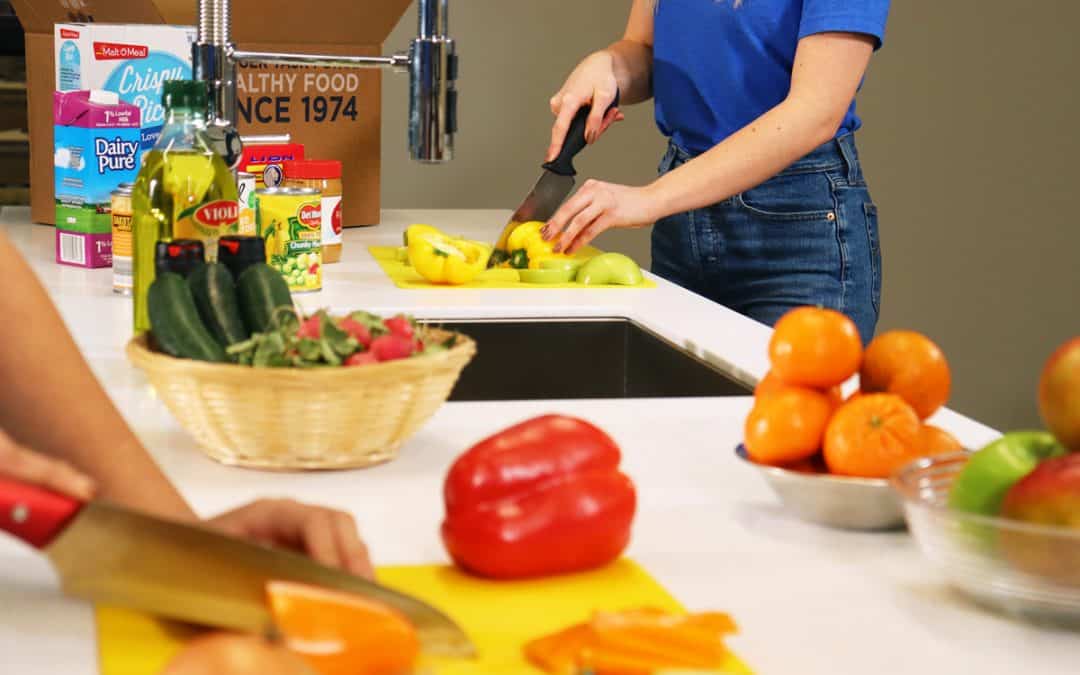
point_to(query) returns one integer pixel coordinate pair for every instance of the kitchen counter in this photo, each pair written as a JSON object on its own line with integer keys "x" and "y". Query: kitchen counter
{"x": 808, "y": 599}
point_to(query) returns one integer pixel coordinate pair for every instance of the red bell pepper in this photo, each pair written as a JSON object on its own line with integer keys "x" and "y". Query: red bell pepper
{"x": 543, "y": 497}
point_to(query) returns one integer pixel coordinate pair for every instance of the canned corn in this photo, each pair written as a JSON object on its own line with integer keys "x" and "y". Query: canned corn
{"x": 290, "y": 222}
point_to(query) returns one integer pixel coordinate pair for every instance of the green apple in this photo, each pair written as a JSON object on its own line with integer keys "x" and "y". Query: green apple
{"x": 990, "y": 472}
{"x": 542, "y": 276}
{"x": 569, "y": 264}
{"x": 610, "y": 268}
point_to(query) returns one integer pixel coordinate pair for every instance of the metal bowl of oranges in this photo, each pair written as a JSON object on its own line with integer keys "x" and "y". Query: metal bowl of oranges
{"x": 828, "y": 459}
{"x": 811, "y": 494}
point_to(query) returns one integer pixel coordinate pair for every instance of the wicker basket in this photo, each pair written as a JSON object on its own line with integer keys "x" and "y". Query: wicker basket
{"x": 286, "y": 418}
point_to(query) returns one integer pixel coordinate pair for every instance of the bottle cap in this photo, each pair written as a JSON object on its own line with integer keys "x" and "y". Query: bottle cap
{"x": 184, "y": 94}
{"x": 239, "y": 252}
{"x": 179, "y": 256}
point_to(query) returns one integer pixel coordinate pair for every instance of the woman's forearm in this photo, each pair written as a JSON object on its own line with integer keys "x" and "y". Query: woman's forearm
{"x": 827, "y": 71}
{"x": 632, "y": 62}
{"x": 745, "y": 159}
{"x": 51, "y": 402}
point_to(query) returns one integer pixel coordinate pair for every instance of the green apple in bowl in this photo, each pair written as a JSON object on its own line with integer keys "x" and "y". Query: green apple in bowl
{"x": 981, "y": 485}
{"x": 610, "y": 268}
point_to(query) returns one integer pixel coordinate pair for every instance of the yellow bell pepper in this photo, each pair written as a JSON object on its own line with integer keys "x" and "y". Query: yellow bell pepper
{"x": 418, "y": 229}
{"x": 444, "y": 260}
{"x": 526, "y": 247}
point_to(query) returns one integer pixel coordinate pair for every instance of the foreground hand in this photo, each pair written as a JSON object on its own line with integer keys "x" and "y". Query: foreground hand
{"x": 597, "y": 207}
{"x": 31, "y": 467}
{"x": 330, "y": 537}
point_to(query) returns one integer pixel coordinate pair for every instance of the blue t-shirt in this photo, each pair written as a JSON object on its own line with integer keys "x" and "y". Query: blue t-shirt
{"x": 717, "y": 66}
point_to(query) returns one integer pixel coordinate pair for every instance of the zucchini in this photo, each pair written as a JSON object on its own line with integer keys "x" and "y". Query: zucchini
{"x": 175, "y": 321}
{"x": 262, "y": 291}
{"x": 214, "y": 292}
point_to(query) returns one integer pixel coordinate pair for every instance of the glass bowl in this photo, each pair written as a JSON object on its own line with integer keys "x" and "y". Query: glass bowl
{"x": 1024, "y": 569}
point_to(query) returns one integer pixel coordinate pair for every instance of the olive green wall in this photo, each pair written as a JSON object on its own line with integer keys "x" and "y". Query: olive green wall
{"x": 970, "y": 146}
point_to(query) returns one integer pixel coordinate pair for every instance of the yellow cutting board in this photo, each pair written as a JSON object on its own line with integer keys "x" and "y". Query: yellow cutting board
{"x": 405, "y": 276}
{"x": 499, "y": 617}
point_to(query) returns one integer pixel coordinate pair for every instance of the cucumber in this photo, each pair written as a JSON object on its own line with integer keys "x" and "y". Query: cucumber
{"x": 214, "y": 292}
{"x": 261, "y": 290}
{"x": 175, "y": 321}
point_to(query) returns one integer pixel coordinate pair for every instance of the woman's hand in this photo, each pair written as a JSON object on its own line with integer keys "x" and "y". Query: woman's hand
{"x": 597, "y": 207}
{"x": 593, "y": 81}
{"x": 31, "y": 467}
{"x": 328, "y": 536}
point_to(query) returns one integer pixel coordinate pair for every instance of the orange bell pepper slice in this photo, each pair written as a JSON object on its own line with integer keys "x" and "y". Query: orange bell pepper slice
{"x": 635, "y": 642}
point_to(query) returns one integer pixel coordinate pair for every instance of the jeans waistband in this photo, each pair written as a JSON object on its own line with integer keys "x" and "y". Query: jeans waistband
{"x": 837, "y": 153}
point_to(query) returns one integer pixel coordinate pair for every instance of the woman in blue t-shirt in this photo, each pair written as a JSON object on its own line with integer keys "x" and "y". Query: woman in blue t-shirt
{"x": 761, "y": 204}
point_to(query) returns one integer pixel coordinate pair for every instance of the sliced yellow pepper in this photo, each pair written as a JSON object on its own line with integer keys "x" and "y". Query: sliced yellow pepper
{"x": 418, "y": 229}
{"x": 526, "y": 247}
{"x": 444, "y": 260}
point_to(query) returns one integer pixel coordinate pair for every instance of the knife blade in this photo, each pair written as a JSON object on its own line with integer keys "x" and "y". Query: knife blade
{"x": 112, "y": 555}
{"x": 556, "y": 180}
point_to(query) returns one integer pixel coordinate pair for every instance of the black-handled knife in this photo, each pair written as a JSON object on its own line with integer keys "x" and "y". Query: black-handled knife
{"x": 557, "y": 179}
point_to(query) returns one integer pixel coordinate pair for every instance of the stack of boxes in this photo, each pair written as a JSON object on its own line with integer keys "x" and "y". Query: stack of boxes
{"x": 107, "y": 111}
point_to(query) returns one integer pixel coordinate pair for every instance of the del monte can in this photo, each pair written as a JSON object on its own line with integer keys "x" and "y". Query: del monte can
{"x": 290, "y": 222}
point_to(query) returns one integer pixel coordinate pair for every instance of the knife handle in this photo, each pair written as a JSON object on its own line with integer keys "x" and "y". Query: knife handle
{"x": 34, "y": 514}
{"x": 575, "y": 141}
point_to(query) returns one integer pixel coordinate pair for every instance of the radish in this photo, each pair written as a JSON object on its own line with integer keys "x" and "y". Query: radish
{"x": 391, "y": 347}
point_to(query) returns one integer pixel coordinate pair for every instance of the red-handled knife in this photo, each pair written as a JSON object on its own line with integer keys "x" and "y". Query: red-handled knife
{"x": 111, "y": 555}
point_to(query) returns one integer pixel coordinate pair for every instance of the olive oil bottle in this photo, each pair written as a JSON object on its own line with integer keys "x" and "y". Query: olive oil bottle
{"x": 184, "y": 189}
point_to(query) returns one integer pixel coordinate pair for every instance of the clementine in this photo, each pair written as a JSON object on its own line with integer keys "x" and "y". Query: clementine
{"x": 872, "y": 436}
{"x": 787, "y": 426}
{"x": 340, "y": 633}
{"x": 907, "y": 364}
{"x": 771, "y": 384}
{"x": 937, "y": 441}
{"x": 815, "y": 347}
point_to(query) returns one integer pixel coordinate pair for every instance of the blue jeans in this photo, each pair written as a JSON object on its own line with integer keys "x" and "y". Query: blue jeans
{"x": 807, "y": 236}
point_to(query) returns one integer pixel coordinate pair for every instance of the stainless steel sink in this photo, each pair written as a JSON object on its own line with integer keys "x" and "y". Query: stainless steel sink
{"x": 581, "y": 358}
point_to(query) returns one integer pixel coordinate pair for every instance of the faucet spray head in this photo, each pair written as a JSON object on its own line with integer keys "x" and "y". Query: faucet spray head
{"x": 432, "y": 94}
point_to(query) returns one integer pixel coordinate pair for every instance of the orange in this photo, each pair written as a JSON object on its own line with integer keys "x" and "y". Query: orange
{"x": 815, "y": 347}
{"x": 872, "y": 436}
{"x": 341, "y": 633}
{"x": 787, "y": 426}
{"x": 937, "y": 441}
{"x": 770, "y": 384}
{"x": 907, "y": 364}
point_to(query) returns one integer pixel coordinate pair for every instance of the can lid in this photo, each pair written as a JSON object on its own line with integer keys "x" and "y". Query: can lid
{"x": 122, "y": 189}
{"x": 311, "y": 168}
{"x": 295, "y": 191}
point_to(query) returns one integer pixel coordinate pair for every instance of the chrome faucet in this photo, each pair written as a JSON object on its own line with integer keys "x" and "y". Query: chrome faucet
{"x": 431, "y": 62}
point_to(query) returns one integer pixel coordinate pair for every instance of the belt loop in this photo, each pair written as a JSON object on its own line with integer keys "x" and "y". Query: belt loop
{"x": 847, "y": 150}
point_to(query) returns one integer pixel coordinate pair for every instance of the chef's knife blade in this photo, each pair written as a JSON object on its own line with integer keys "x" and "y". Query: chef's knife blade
{"x": 556, "y": 180}
{"x": 114, "y": 556}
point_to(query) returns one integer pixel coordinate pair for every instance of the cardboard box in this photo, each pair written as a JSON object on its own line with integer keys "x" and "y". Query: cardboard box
{"x": 298, "y": 100}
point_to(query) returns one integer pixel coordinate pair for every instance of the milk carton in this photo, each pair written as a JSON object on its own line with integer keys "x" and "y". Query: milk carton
{"x": 96, "y": 141}
{"x": 131, "y": 60}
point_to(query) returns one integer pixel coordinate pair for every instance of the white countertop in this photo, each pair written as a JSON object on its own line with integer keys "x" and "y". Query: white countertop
{"x": 808, "y": 600}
